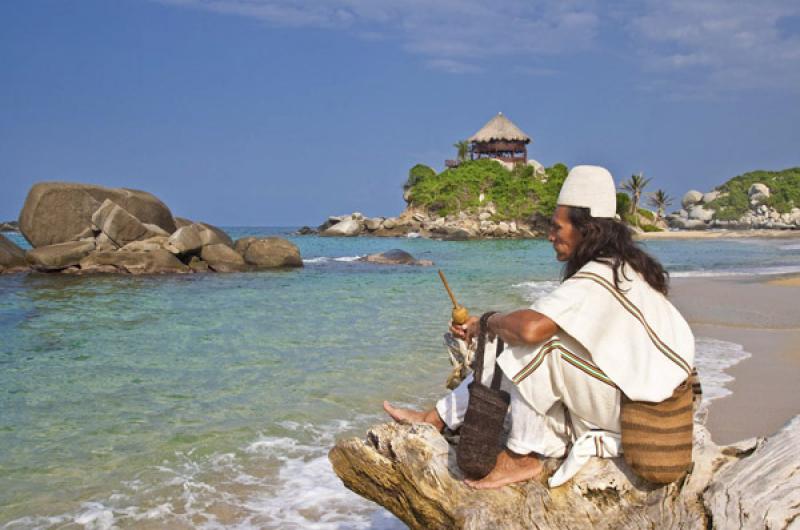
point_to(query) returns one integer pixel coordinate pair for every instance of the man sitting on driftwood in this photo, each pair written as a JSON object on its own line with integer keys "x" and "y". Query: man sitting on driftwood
{"x": 607, "y": 330}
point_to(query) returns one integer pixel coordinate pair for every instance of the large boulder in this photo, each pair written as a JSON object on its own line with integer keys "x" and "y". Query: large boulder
{"x": 152, "y": 262}
{"x": 346, "y": 228}
{"x": 687, "y": 224}
{"x": 185, "y": 240}
{"x": 373, "y": 223}
{"x": 222, "y": 258}
{"x": 59, "y": 256}
{"x": 691, "y": 198}
{"x": 711, "y": 196}
{"x": 119, "y": 225}
{"x": 269, "y": 252}
{"x": 395, "y": 257}
{"x": 211, "y": 235}
{"x": 56, "y": 212}
{"x": 758, "y": 192}
{"x": 145, "y": 245}
{"x": 700, "y": 213}
{"x": 12, "y": 258}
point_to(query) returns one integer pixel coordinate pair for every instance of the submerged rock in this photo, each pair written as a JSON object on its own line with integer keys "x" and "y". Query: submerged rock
{"x": 395, "y": 257}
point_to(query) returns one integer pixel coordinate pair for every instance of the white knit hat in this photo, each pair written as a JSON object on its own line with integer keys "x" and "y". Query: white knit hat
{"x": 590, "y": 187}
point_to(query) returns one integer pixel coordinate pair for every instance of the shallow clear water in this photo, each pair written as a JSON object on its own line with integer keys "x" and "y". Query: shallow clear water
{"x": 211, "y": 400}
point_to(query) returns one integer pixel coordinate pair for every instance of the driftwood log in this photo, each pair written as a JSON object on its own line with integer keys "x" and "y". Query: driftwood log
{"x": 411, "y": 470}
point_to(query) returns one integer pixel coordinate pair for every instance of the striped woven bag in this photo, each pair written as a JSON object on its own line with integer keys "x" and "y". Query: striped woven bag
{"x": 657, "y": 437}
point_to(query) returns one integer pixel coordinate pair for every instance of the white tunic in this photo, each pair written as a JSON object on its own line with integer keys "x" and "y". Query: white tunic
{"x": 633, "y": 334}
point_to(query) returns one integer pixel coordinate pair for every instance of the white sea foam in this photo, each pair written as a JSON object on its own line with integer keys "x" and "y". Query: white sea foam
{"x": 712, "y": 358}
{"x": 324, "y": 259}
{"x": 793, "y": 246}
{"x": 533, "y": 290}
{"x": 281, "y": 482}
{"x": 747, "y": 271}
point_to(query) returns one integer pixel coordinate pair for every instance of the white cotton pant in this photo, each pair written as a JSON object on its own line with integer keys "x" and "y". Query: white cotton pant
{"x": 574, "y": 400}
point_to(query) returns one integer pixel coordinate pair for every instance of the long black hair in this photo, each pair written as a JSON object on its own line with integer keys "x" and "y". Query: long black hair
{"x": 610, "y": 241}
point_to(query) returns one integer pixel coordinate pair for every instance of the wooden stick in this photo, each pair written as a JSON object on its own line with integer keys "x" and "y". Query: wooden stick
{"x": 444, "y": 281}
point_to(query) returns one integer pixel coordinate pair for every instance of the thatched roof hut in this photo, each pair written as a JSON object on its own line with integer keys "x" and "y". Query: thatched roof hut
{"x": 500, "y": 128}
{"x": 500, "y": 138}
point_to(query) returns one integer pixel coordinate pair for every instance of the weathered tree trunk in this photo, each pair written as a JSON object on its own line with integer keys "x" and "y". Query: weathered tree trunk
{"x": 411, "y": 470}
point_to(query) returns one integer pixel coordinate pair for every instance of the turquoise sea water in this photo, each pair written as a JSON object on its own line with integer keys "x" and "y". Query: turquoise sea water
{"x": 211, "y": 400}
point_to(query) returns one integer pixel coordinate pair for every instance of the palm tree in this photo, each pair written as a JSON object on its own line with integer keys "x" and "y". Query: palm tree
{"x": 660, "y": 200}
{"x": 635, "y": 186}
{"x": 463, "y": 150}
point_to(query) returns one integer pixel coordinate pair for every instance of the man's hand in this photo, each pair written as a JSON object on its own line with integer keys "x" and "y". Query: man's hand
{"x": 466, "y": 331}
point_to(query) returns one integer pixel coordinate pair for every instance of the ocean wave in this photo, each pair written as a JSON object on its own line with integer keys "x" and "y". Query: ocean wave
{"x": 275, "y": 481}
{"x": 712, "y": 358}
{"x": 533, "y": 290}
{"x": 324, "y": 259}
{"x": 752, "y": 271}
{"x": 794, "y": 246}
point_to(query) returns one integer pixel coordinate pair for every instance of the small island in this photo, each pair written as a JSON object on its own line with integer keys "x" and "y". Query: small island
{"x": 492, "y": 190}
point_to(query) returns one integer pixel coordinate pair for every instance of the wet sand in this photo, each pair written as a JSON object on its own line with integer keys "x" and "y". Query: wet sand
{"x": 763, "y": 315}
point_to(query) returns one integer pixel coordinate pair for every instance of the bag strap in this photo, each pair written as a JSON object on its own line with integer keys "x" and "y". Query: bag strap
{"x": 480, "y": 353}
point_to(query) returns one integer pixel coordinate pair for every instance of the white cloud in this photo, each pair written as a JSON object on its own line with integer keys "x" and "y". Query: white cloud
{"x": 718, "y": 46}
{"x": 439, "y": 29}
{"x": 684, "y": 46}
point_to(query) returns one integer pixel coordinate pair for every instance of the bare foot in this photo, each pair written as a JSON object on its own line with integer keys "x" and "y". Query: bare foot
{"x": 413, "y": 416}
{"x": 510, "y": 468}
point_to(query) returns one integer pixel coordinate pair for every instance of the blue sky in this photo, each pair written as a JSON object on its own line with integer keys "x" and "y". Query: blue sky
{"x": 263, "y": 112}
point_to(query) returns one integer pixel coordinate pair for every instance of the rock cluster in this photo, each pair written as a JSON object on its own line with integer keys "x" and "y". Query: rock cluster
{"x": 9, "y": 226}
{"x": 697, "y": 214}
{"x": 416, "y": 222}
{"x": 80, "y": 228}
{"x": 411, "y": 470}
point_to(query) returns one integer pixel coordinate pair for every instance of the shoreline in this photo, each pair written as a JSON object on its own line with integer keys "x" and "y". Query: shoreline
{"x": 759, "y": 314}
{"x": 720, "y": 234}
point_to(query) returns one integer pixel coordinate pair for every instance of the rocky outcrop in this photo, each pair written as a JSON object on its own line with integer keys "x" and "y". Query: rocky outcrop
{"x": 12, "y": 258}
{"x": 56, "y": 212}
{"x": 119, "y": 225}
{"x": 415, "y": 222}
{"x": 222, "y": 258}
{"x": 698, "y": 212}
{"x": 396, "y": 257}
{"x": 411, "y": 470}
{"x": 269, "y": 252}
{"x": 151, "y": 262}
{"x": 9, "y": 226}
{"x": 105, "y": 233}
{"x": 345, "y": 228}
{"x": 59, "y": 256}
{"x": 185, "y": 240}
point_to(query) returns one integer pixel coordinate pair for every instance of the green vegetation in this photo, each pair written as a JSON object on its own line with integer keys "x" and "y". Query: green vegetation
{"x": 635, "y": 186}
{"x": 661, "y": 201}
{"x": 418, "y": 173}
{"x": 650, "y": 228}
{"x": 516, "y": 194}
{"x": 784, "y": 189}
{"x": 462, "y": 150}
{"x": 623, "y": 204}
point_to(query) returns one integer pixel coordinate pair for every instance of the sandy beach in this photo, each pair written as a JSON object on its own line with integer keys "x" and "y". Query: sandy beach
{"x": 761, "y": 314}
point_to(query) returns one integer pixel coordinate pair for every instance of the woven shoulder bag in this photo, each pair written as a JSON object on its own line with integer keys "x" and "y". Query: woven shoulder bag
{"x": 657, "y": 437}
{"x": 482, "y": 431}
